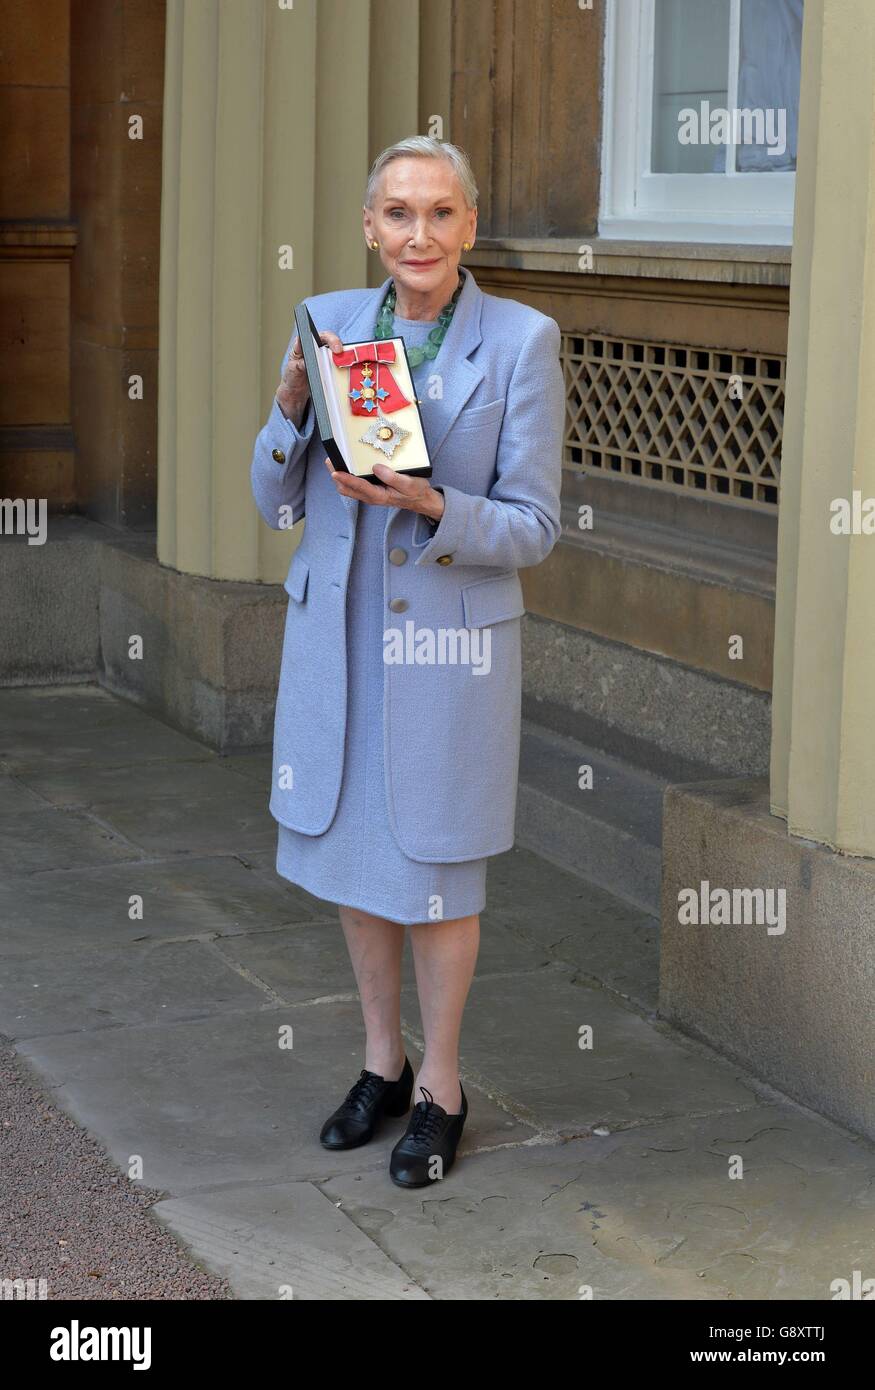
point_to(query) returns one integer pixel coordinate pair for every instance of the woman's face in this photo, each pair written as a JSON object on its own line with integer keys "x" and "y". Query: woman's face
{"x": 420, "y": 219}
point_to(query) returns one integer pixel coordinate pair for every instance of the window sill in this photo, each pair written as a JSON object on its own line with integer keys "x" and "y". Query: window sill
{"x": 727, "y": 263}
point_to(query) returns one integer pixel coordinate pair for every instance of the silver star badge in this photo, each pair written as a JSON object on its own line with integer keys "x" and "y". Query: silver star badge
{"x": 384, "y": 434}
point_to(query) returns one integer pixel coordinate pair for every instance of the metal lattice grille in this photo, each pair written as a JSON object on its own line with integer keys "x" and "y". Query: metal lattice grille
{"x": 675, "y": 416}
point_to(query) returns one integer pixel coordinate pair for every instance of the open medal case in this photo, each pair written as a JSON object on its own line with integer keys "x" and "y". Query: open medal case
{"x": 365, "y": 403}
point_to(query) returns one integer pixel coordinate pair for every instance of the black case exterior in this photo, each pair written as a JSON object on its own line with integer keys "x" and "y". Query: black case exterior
{"x": 310, "y": 340}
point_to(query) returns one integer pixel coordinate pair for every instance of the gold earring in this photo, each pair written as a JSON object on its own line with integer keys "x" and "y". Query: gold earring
{"x": 466, "y": 246}
{"x": 374, "y": 245}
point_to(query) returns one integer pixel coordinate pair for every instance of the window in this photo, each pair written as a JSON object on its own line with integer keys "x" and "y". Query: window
{"x": 701, "y": 116}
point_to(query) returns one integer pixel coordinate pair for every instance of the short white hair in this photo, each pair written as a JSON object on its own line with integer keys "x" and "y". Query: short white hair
{"x": 425, "y": 147}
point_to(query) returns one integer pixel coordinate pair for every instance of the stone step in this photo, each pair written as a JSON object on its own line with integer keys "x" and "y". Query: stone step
{"x": 610, "y": 834}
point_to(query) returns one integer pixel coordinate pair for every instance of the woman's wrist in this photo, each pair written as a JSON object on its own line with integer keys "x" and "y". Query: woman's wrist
{"x": 435, "y": 505}
{"x": 291, "y": 408}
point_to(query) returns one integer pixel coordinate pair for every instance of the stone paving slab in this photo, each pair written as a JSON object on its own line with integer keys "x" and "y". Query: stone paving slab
{"x": 523, "y": 1032}
{"x": 182, "y": 897}
{"x": 15, "y": 797}
{"x": 218, "y": 1101}
{"x": 34, "y": 709}
{"x": 253, "y": 763}
{"x": 42, "y": 727}
{"x": 35, "y": 841}
{"x": 107, "y": 784}
{"x": 52, "y": 993}
{"x": 121, "y": 742}
{"x": 262, "y": 863}
{"x": 576, "y": 922}
{"x": 206, "y": 824}
{"x": 286, "y": 1241}
{"x": 516, "y": 892}
{"x": 303, "y": 962}
{"x": 649, "y": 1213}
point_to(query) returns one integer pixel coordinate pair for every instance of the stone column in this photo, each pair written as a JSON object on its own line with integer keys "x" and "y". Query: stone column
{"x": 273, "y": 112}
{"x": 823, "y": 752}
{"x": 265, "y": 147}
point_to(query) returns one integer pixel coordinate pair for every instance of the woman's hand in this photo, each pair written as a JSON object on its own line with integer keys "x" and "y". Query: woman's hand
{"x": 293, "y": 391}
{"x": 401, "y": 490}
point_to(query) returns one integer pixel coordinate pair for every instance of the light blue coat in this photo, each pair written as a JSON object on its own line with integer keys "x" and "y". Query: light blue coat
{"x": 451, "y": 748}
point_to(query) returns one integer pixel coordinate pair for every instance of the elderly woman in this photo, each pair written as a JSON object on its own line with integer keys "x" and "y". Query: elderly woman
{"x": 395, "y": 780}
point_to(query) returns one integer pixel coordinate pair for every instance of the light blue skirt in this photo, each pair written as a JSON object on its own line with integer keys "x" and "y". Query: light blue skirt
{"x": 357, "y": 861}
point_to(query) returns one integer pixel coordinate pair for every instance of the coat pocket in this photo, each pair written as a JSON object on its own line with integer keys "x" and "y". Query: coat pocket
{"x": 479, "y": 416}
{"x": 296, "y": 581}
{"x": 493, "y": 600}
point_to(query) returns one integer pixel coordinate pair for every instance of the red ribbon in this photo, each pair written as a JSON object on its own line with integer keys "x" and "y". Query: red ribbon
{"x": 359, "y": 357}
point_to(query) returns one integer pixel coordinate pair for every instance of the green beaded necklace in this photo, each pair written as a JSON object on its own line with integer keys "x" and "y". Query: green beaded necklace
{"x": 417, "y": 355}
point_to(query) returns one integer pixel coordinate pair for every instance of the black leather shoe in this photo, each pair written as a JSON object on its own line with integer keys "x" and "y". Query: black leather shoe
{"x": 369, "y": 1099}
{"x": 427, "y": 1151}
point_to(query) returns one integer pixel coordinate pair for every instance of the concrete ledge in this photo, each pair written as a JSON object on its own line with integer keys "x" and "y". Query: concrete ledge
{"x": 795, "y": 1008}
{"x": 722, "y": 263}
{"x": 670, "y": 718}
{"x": 48, "y": 615}
{"x": 211, "y": 650}
{"x": 633, "y": 590}
{"x": 609, "y": 836}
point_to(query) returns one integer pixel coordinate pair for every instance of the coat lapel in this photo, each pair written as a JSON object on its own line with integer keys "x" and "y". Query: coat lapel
{"x": 359, "y": 327}
{"x": 458, "y": 376}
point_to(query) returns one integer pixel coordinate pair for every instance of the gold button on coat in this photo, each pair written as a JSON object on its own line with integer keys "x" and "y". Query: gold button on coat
{"x": 399, "y": 605}
{"x": 278, "y": 456}
{"x": 397, "y": 556}
{"x": 444, "y": 560}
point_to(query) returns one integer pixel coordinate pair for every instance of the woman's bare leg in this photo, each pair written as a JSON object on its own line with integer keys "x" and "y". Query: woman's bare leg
{"x": 444, "y": 954}
{"x": 375, "y": 947}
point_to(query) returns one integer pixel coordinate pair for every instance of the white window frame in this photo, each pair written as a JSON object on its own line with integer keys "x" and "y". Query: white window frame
{"x": 639, "y": 205}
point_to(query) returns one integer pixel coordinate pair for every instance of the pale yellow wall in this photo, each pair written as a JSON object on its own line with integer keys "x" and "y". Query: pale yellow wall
{"x": 823, "y": 752}
{"x": 271, "y": 120}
